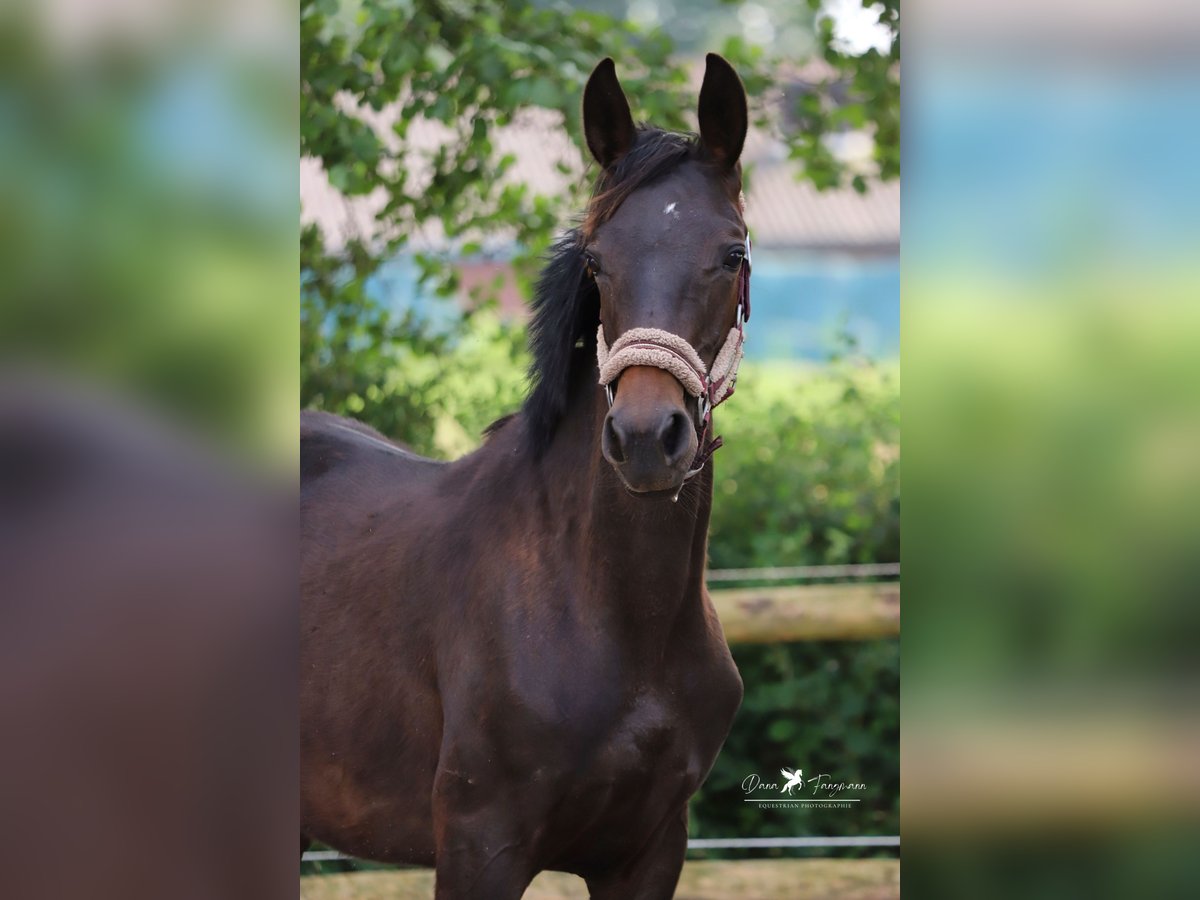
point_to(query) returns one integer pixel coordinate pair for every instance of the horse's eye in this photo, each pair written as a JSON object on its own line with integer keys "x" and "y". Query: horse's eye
{"x": 592, "y": 267}
{"x": 733, "y": 260}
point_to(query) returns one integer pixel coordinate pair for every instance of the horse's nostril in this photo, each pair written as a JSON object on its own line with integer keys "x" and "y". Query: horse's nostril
{"x": 673, "y": 437}
{"x": 612, "y": 441}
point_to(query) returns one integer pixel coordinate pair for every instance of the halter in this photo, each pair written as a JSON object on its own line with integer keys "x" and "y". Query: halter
{"x": 670, "y": 352}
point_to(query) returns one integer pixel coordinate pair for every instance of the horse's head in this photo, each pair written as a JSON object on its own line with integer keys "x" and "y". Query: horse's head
{"x": 666, "y": 243}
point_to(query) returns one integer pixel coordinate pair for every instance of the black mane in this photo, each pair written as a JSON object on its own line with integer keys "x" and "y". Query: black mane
{"x": 566, "y": 312}
{"x": 566, "y": 303}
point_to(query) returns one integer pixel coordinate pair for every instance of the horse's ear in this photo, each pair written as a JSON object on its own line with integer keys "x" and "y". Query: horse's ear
{"x": 723, "y": 116}
{"x": 607, "y": 122}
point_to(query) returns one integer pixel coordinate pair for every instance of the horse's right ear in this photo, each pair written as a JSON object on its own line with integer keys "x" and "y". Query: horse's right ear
{"x": 607, "y": 122}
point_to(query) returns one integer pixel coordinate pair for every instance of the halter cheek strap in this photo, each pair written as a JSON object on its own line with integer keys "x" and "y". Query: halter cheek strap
{"x": 670, "y": 352}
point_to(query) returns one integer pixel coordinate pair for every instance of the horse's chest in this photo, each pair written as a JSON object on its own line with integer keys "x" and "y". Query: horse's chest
{"x": 656, "y": 733}
{"x": 649, "y": 763}
{"x": 664, "y": 734}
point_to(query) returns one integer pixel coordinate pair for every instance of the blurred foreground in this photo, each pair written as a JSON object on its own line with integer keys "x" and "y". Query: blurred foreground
{"x": 147, "y": 647}
{"x": 1051, "y": 743}
{"x": 148, "y": 321}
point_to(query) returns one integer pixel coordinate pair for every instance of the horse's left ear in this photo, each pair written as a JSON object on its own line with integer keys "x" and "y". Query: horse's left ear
{"x": 607, "y": 122}
{"x": 723, "y": 117}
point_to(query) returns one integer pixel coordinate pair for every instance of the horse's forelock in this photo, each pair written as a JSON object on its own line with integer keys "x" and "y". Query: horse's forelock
{"x": 655, "y": 153}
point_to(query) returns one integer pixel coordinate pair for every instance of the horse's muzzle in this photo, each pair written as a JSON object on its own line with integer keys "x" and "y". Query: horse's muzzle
{"x": 649, "y": 437}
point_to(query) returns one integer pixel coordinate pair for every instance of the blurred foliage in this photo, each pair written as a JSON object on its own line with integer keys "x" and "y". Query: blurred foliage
{"x": 145, "y": 218}
{"x": 810, "y": 475}
{"x": 863, "y": 92}
{"x": 427, "y": 389}
{"x": 1052, "y": 389}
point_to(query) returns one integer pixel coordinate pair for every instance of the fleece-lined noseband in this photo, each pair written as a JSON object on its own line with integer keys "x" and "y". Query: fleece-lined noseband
{"x": 670, "y": 352}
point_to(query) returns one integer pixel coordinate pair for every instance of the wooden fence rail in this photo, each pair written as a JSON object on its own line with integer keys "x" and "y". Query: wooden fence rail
{"x": 838, "y": 612}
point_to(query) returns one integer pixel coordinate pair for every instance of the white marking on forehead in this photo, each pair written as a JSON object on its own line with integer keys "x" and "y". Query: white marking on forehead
{"x": 669, "y": 209}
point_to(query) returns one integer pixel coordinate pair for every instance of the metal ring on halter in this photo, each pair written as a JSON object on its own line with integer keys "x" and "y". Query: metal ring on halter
{"x": 608, "y": 392}
{"x": 703, "y": 407}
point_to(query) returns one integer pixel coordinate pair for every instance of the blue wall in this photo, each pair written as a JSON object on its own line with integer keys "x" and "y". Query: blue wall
{"x": 800, "y": 303}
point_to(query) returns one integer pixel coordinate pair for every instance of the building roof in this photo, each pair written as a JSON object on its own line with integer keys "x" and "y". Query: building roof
{"x": 781, "y": 210}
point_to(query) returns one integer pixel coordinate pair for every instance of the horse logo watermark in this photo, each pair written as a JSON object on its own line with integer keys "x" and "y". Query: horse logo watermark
{"x": 794, "y": 779}
{"x": 821, "y": 789}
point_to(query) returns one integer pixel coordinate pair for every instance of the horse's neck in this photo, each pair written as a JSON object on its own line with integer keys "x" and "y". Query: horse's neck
{"x": 644, "y": 557}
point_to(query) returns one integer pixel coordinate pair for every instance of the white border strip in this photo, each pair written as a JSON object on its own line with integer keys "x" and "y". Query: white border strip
{"x": 802, "y": 573}
{"x": 752, "y": 843}
{"x": 323, "y": 856}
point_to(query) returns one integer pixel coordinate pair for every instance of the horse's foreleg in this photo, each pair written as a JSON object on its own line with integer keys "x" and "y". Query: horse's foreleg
{"x": 481, "y": 860}
{"x": 655, "y": 873}
{"x": 482, "y": 851}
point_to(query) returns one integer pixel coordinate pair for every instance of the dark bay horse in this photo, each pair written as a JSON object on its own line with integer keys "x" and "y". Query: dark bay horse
{"x": 509, "y": 663}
